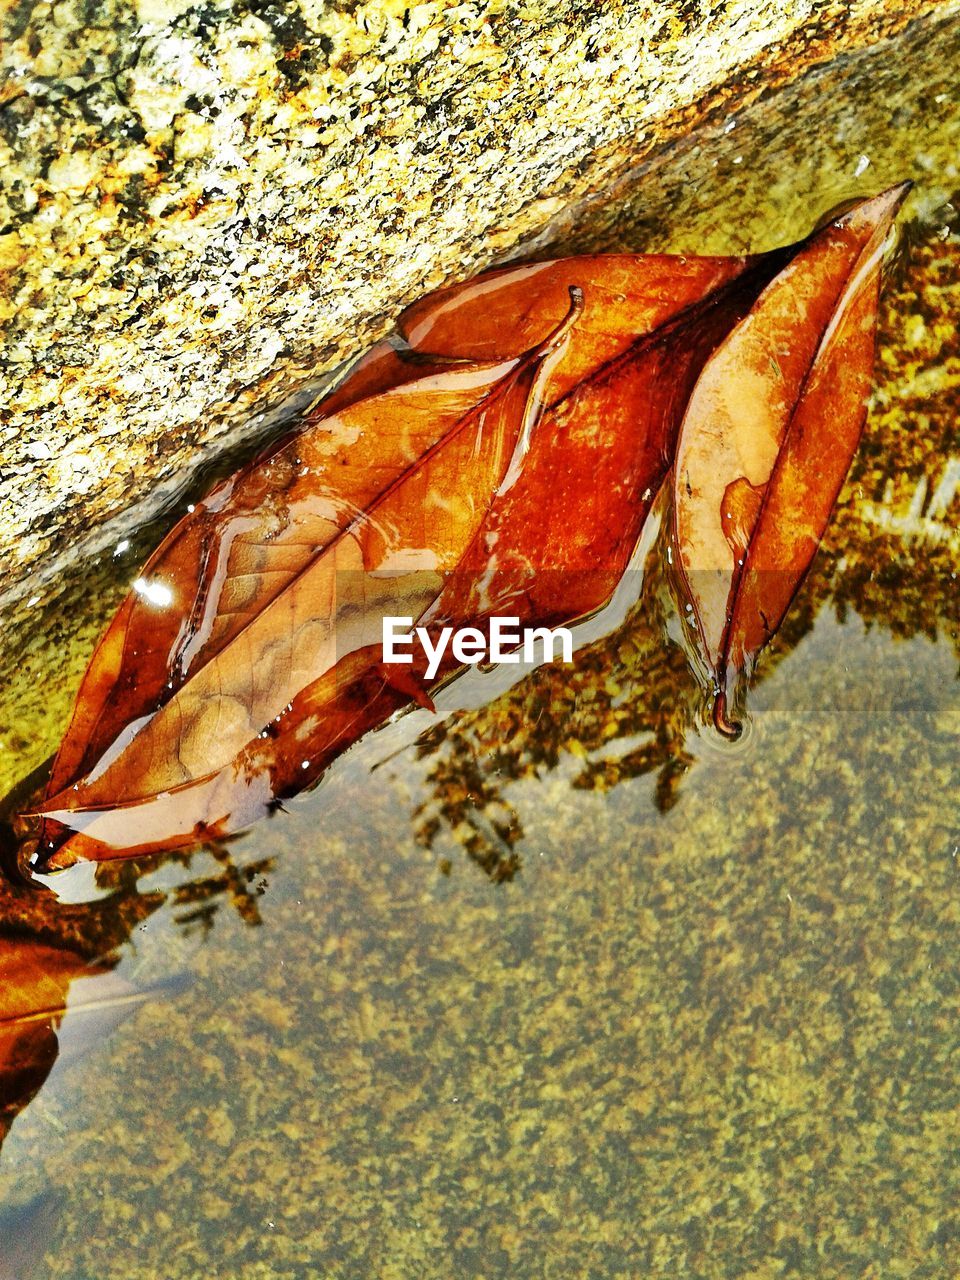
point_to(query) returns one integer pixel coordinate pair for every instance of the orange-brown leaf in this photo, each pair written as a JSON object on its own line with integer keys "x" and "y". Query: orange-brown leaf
{"x": 504, "y": 450}
{"x": 769, "y": 434}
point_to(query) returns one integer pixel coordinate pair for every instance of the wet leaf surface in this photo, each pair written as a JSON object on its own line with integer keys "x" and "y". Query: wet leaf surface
{"x": 499, "y": 456}
{"x": 503, "y": 452}
{"x": 745, "y": 1002}
{"x": 769, "y": 435}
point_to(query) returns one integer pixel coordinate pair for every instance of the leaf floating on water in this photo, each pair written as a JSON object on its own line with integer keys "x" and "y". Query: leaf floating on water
{"x": 519, "y": 425}
{"x": 498, "y": 455}
{"x": 768, "y": 437}
{"x": 285, "y": 577}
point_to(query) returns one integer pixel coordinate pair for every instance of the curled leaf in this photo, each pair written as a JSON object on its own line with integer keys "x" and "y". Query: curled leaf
{"x": 768, "y": 437}
{"x": 503, "y": 449}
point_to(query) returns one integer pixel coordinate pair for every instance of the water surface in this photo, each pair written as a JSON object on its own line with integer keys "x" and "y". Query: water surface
{"x": 558, "y": 985}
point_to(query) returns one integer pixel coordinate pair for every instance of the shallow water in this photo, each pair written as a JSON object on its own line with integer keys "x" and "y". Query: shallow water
{"x": 560, "y": 985}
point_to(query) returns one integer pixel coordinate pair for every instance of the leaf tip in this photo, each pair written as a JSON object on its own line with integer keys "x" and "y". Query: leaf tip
{"x": 730, "y": 729}
{"x": 51, "y": 851}
{"x": 889, "y": 203}
{"x": 880, "y": 210}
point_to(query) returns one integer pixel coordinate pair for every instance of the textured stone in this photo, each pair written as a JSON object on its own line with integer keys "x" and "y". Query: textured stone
{"x": 206, "y": 206}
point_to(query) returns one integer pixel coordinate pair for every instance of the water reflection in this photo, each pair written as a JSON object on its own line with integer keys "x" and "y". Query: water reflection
{"x": 890, "y": 557}
{"x": 710, "y": 1025}
{"x": 61, "y": 993}
{"x": 25, "y": 1230}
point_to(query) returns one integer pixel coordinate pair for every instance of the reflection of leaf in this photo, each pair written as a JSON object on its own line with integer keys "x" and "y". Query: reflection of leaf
{"x": 249, "y": 656}
{"x": 34, "y": 980}
{"x": 27, "y": 1231}
{"x": 768, "y": 437}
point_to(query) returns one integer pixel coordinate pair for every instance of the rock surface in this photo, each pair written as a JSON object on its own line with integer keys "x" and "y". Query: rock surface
{"x": 206, "y": 206}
